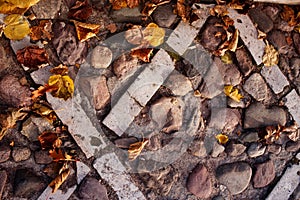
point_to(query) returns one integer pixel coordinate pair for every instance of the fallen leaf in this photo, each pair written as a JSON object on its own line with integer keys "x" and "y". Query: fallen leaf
{"x": 271, "y": 56}
{"x": 81, "y": 10}
{"x": 118, "y": 4}
{"x": 60, "y": 179}
{"x": 32, "y": 56}
{"x": 16, "y": 27}
{"x": 233, "y": 93}
{"x": 42, "y": 90}
{"x": 261, "y": 35}
{"x": 183, "y": 10}
{"x": 142, "y": 54}
{"x": 42, "y": 31}
{"x": 49, "y": 140}
{"x": 136, "y": 148}
{"x": 234, "y": 41}
{"x": 222, "y": 139}
{"x": 58, "y": 155}
{"x": 16, "y": 6}
{"x": 154, "y": 35}
{"x": 41, "y": 109}
{"x": 64, "y": 85}
{"x": 149, "y": 8}
{"x": 85, "y": 31}
{"x": 288, "y": 15}
{"x": 226, "y": 58}
{"x": 133, "y": 3}
{"x": 60, "y": 69}
{"x": 219, "y": 10}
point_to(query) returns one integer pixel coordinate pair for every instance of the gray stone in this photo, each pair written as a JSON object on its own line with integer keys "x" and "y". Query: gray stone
{"x": 198, "y": 149}
{"x": 230, "y": 73}
{"x": 264, "y": 175}
{"x": 199, "y": 182}
{"x": 164, "y": 16}
{"x": 42, "y": 157}
{"x": 21, "y": 153}
{"x": 292, "y": 103}
{"x": 292, "y": 146}
{"x": 294, "y": 69}
{"x": 132, "y": 15}
{"x": 235, "y": 176}
{"x": 256, "y": 86}
{"x": 99, "y": 91}
{"x": 262, "y": 20}
{"x": 101, "y": 57}
{"x": 275, "y": 78}
{"x": 274, "y": 149}
{"x": 3, "y": 178}
{"x": 287, "y": 183}
{"x": 82, "y": 171}
{"x": 225, "y": 119}
{"x": 179, "y": 84}
{"x": 91, "y": 188}
{"x": 217, "y": 150}
{"x": 255, "y": 150}
{"x": 235, "y": 149}
{"x": 4, "y": 153}
{"x": 257, "y": 115}
{"x": 30, "y": 130}
{"x": 47, "y": 9}
{"x": 250, "y": 137}
{"x": 244, "y": 61}
{"x": 59, "y": 194}
{"x": 41, "y": 75}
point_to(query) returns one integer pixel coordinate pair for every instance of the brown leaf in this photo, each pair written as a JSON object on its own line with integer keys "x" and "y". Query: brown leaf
{"x": 59, "y": 155}
{"x": 60, "y": 69}
{"x": 288, "y": 15}
{"x": 60, "y": 179}
{"x": 219, "y": 10}
{"x": 81, "y": 10}
{"x": 32, "y": 56}
{"x": 142, "y": 54}
{"x": 42, "y": 31}
{"x": 133, "y": 3}
{"x": 42, "y": 90}
{"x": 149, "y": 9}
{"x": 234, "y": 41}
{"x": 49, "y": 140}
{"x": 183, "y": 10}
{"x": 118, "y": 4}
{"x": 136, "y": 148}
{"x": 86, "y": 31}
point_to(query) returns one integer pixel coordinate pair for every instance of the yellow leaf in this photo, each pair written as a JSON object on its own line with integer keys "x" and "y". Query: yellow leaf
{"x": 16, "y": 27}
{"x": 222, "y": 139}
{"x": 233, "y": 93}
{"x": 85, "y": 31}
{"x": 271, "y": 56}
{"x": 226, "y": 58}
{"x": 154, "y": 35}
{"x": 16, "y": 6}
{"x": 64, "y": 85}
{"x": 63, "y": 175}
{"x": 136, "y": 148}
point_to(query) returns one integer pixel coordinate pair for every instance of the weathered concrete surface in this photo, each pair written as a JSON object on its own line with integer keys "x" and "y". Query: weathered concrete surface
{"x": 59, "y": 194}
{"x": 293, "y": 102}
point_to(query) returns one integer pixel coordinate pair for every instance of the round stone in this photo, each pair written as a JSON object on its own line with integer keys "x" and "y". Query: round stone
{"x": 264, "y": 175}
{"x": 101, "y": 57}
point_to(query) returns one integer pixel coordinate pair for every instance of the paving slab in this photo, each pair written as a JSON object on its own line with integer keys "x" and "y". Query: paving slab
{"x": 82, "y": 171}
{"x": 292, "y": 103}
{"x": 111, "y": 169}
{"x": 58, "y": 195}
{"x": 287, "y": 183}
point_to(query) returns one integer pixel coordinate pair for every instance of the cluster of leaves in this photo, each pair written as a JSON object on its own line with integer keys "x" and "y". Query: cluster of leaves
{"x": 233, "y": 93}
{"x": 270, "y": 134}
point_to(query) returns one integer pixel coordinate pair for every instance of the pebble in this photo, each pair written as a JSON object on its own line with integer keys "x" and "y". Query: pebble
{"x": 100, "y": 92}
{"x": 250, "y": 137}
{"x": 91, "y": 188}
{"x": 225, "y": 119}
{"x": 256, "y": 87}
{"x": 179, "y": 84}
{"x": 264, "y": 175}
{"x": 257, "y": 115}
{"x": 230, "y": 73}
{"x": 277, "y": 39}
{"x": 255, "y": 150}
{"x": 164, "y": 16}
{"x": 274, "y": 149}
{"x": 101, "y": 57}
{"x": 263, "y": 21}
{"x": 235, "y": 149}
{"x": 21, "y": 153}
{"x": 124, "y": 65}
{"x": 244, "y": 60}
{"x": 235, "y": 176}
{"x": 217, "y": 150}
{"x": 30, "y": 130}
{"x": 3, "y": 178}
{"x": 4, "y": 153}
{"x": 26, "y": 183}
{"x": 46, "y": 9}
{"x": 198, "y": 149}
{"x": 42, "y": 157}
{"x": 199, "y": 182}
{"x": 292, "y": 146}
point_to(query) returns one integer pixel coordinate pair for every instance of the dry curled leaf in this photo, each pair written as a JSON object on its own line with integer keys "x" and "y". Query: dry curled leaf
{"x": 81, "y": 10}
{"x": 64, "y": 85}
{"x": 49, "y": 140}
{"x": 42, "y": 31}
{"x": 86, "y": 31}
{"x": 119, "y": 4}
{"x": 183, "y": 10}
{"x": 136, "y": 148}
{"x": 154, "y": 35}
{"x": 42, "y": 90}
{"x": 219, "y": 10}
{"x": 289, "y": 16}
{"x": 32, "y": 56}
{"x": 16, "y": 6}
{"x": 16, "y": 27}
{"x": 60, "y": 179}
{"x": 271, "y": 56}
{"x": 233, "y": 93}
{"x": 58, "y": 155}
{"x": 222, "y": 138}
{"x": 226, "y": 58}
{"x": 142, "y": 54}
{"x": 60, "y": 69}
{"x": 234, "y": 41}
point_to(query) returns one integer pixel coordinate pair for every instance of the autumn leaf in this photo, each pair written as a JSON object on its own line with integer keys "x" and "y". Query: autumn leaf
{"x": 81, "y": 10}
{"x": 222, "y": 138}
{"x": 42, "y": 90}
{"x": 233, "y": 93}
{"x": 58, "y": 155}
{"x": 154, "y": 35}
{"x": 234, "y": 41}
{"x": 226, "y": 58}
{"x": 60, "y": 69}
{"x": 136, "y": 148}
{"x": 64, "y": 85}
{"x": 182, "y": 10}
{"x": 41, "y": 109}
{"x": 288, "y": 15}
{"x": 49, "y": 140}
{"x": 271, "y": 56}
{"x": 32, "y": 56}
{"x": 16, "y": 6}
{"x": 142, "y": 54}
{"x": 42, "y": 31}
{"x": 118, "y": 4}
{"x": 85, "y": 31}
{"x": 60, "y": 179}
{"x": 16, "y": 27}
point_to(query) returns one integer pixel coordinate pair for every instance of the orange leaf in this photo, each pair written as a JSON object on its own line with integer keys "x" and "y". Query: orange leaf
{"x": 60, "y": 179}
{"x": 142, "y": 54}
{"x": 86, "y": 31}
{"x": 49, "y": 139}
{"x": 136, "y": 148}
{"x": 42, "y": 31}
{"x": 42, "y": 90}
{"x": 58, "y": 155}
{"x": 32, "y": 56}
